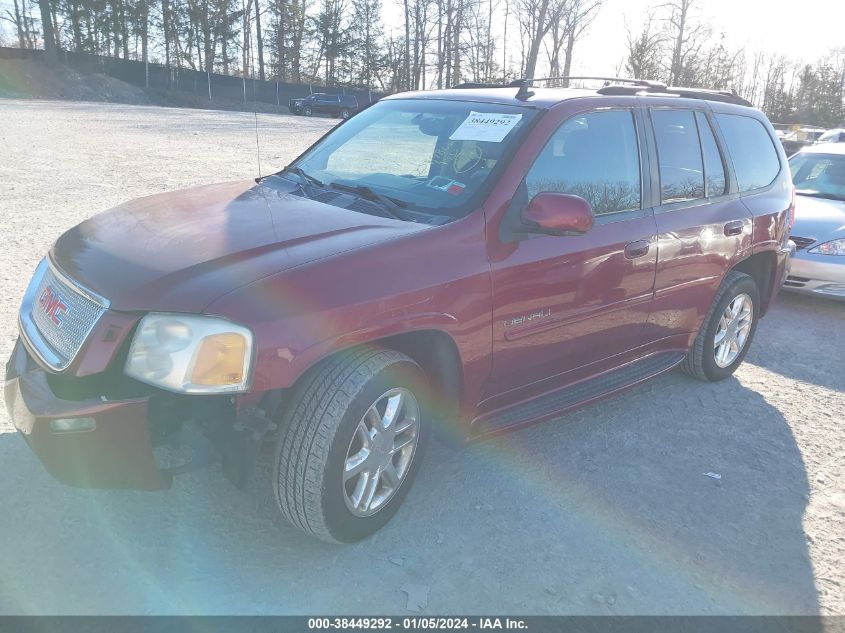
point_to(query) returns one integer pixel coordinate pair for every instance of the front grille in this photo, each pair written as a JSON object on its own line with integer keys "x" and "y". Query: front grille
{"x": 802, "y": 242}
{"x": 62, "y": 313}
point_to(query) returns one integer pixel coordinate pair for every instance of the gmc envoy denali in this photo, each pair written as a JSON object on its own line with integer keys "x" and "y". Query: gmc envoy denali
{"x": 461, "y": 262}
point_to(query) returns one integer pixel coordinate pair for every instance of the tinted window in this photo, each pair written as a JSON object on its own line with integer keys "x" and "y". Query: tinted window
{"x": 594, "y": 156}
{"x": 714, "y": 170}
{"x": 678, "y": 155}
{"x": 752, "y": 150}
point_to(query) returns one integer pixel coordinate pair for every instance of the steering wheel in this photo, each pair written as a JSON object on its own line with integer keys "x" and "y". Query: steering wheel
{"x": 467, "y": 159}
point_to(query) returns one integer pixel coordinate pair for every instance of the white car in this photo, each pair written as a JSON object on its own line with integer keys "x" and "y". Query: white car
{"x": 818, "y": 265}
{"x": 832, "y": 136}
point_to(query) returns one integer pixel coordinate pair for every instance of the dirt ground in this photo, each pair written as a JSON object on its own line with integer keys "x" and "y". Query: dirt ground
{"x": 604, "y": 511}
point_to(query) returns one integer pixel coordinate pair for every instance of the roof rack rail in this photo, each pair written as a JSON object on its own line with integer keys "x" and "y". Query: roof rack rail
{"x": 608, "y": 80}
{"x": 660, "y": 90}
{"x": 623, "y": 86}
{"x": 525, "y": 83}
{"x": 711, "y": 95}
{"x": 468, "y": 85}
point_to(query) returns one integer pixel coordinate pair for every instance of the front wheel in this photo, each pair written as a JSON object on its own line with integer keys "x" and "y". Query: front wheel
{"x": 307, "y": 111}
{"x": 727, "y": 331}
{"x": 351, "y": 443}
{"x": 345, "y": 114}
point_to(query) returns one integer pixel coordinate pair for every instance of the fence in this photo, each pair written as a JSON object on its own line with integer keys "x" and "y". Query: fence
{"x": 208, "y": 85}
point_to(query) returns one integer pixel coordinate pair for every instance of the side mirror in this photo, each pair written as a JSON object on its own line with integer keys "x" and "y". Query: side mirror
{"x": 558, "y": 214}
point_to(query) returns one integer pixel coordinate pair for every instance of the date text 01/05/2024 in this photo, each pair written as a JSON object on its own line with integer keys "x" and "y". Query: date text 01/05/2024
{"x": 417, "y": 623}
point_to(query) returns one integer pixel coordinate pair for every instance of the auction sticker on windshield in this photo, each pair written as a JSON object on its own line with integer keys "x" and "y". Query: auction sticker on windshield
{"x": 485, "y": 126}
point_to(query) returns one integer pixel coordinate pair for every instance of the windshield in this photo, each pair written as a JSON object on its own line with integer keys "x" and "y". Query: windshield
{"x": 428, "y": 155}
{"x": 819, "y": 175}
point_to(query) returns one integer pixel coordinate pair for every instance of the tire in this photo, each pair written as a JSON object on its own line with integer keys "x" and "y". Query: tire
{"x": 319, "y": 432}
{"x": 701, "y": 361}
{"x": 307, "y": 111}
{"x": 345, "y": 114}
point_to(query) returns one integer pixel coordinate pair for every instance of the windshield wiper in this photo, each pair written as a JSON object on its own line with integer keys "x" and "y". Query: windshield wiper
{"x": 819, "y": 194}
{"x": 305, "y": 179}
{"x": 388, "y": 205}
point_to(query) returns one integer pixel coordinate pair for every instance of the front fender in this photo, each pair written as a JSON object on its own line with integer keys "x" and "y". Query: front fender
{"x": 284, "y": 367}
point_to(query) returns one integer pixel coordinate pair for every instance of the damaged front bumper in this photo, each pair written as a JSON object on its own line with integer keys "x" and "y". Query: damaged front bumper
{"x": 136, "y": 441}
{"x": 116, "y": 453}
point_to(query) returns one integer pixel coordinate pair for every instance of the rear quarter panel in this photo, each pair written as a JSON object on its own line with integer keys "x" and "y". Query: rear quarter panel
{"x": 769, "y": 208}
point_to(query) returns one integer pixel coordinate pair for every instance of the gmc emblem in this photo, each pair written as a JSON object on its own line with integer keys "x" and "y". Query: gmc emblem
{"x": 52, "y": 305}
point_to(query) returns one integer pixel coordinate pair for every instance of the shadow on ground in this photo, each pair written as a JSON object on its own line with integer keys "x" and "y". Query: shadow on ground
{"x": 808, "y": 332}
{"x": 607, "y": 510}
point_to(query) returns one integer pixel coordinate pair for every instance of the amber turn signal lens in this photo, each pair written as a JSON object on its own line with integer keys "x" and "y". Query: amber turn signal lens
{"x": 220, "y": 360}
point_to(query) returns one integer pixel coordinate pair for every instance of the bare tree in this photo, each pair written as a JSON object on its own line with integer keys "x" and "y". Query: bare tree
{"x": 534, "y": 19}
{"x": 686, "y": 36}
{"x": 577, "y": 19}
{"x": 258, "y": 40}
{"x": 47, "y": 32}
{"x": 644, "y": 51}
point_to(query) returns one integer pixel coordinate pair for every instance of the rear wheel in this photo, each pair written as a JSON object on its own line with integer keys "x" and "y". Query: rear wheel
{"x": 727, "y": 331}
{"x": 351, "y": 444}
{"x": 345, "y": 114}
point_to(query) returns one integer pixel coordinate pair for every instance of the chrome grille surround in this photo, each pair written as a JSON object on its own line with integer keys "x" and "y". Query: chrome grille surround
{"x": 56, "y": 344}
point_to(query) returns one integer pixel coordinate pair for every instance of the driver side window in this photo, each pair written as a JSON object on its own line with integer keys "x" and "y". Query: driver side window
{"x": 594, "y": 156}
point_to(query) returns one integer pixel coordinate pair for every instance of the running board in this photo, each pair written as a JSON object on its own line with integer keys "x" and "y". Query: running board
{"x": 561, "y": 400}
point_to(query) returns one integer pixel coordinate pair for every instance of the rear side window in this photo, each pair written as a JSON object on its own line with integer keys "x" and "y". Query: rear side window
{"x": 714, "y": 169}
{"x": 752, "y": 151}
{"x": 678, "y": 155}
{"x": 595, "y": 156}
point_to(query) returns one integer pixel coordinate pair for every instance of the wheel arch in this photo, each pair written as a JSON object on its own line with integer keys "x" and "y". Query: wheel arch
{"x": 434, "y": 350}
{"x": 762, "y": 268}
{"x": 437, "y": 353}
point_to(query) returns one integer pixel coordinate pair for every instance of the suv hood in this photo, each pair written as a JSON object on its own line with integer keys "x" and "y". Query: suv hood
{"x": 179, "y": 251}
{"x": 819, "y": 218}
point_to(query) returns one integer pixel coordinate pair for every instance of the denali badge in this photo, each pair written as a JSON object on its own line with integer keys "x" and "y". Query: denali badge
{"x": 527, "y": 318}
{"x": 52, "y": 305}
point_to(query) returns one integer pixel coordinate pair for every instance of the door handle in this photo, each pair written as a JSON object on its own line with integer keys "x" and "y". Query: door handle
{"x": 734, "y": 228}
{"x": 637, "y": 249}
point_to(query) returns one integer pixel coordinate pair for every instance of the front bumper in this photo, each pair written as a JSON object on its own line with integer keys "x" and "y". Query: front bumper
{"x": 117, "y": 453}
{"x": 141, "y": 437}
{"x": 819, "y": 275}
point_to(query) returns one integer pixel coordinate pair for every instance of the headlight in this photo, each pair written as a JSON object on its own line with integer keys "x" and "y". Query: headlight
{"x": 190, "y": 354}
{"x": 834, "y": 247}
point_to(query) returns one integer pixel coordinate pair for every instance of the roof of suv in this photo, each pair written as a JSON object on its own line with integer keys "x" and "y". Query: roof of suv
{"x": 541, "y": 97}
{"x": 548, "y": 97}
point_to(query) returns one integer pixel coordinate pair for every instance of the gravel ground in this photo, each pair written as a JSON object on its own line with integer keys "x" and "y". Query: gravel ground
{"x": 604, "y": 511}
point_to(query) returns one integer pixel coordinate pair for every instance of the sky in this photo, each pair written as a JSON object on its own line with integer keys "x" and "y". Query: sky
{"x": 804, "y": 30}
{"x": 801, "y": 29}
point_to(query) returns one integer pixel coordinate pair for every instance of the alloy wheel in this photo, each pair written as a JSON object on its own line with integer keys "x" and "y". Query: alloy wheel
{"x": 733, "y": 329}
{"x": 380, "y": 452}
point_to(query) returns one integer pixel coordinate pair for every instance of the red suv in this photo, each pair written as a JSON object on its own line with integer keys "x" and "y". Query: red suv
{"x": 461, "y": 262}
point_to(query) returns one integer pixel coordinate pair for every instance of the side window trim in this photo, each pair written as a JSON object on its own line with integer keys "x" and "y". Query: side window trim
{"x": 659, "y": 205}
{"x": 783, "y": 164}
{"x": 645, "y": 188}
{"x": 701, "y": 116}
{"x": 647, "y": 183}
{"x": 732, "y": 186}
